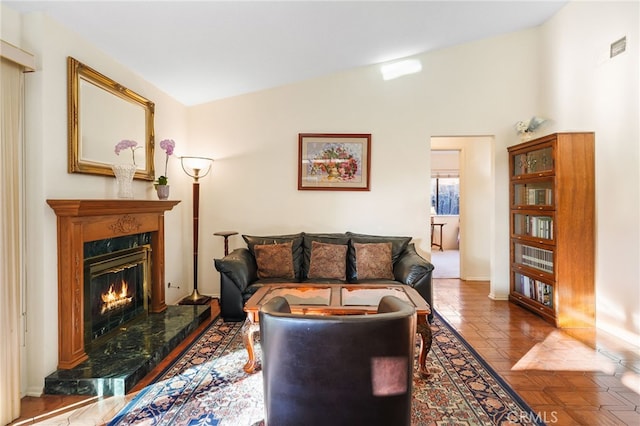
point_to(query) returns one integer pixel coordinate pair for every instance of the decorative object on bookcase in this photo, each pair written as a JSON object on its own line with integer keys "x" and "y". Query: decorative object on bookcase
{"x": 124, "y": 178}
{"x": 552, "y": 206}
{"x": 527, "y": 128}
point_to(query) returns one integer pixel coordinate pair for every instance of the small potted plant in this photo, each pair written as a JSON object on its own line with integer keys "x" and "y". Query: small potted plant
{"x": 162, "y": 183}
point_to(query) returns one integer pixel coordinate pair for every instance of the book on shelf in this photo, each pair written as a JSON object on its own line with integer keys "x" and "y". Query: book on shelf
{"x": 535, "y": 257}
{"x": 540, "y": 227}
{"x": 535, "y": 289}
{"x": 539, "y": 196}
{"x": 533, "y": 196}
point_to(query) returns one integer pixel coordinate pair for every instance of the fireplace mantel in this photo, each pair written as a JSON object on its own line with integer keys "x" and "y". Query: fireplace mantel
{"x": 80, "y": 221}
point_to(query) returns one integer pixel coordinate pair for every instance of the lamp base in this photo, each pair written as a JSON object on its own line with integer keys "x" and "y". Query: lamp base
{"x": 195, "y": 298}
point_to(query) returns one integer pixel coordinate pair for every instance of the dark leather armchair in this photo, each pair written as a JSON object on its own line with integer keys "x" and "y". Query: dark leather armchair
{"x": 338, "y": 370}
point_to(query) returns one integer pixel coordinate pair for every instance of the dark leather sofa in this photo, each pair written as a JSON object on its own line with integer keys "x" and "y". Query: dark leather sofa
{"x": 239, "y": 272}
{"x": 311, "y": 377}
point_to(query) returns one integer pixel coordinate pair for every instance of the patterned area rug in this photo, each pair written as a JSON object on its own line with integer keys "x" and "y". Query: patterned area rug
{"x": 207, "y": 386}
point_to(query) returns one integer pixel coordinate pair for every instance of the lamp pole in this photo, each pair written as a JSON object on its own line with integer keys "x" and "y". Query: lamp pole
{"x": 195, "y": 298}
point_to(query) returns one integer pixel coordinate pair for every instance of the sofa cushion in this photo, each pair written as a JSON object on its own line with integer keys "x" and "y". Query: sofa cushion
{"x": 296, "y": 247}
{"x": 274, "y": 260}
{"x": 328, "y": 238}
{"x": 328, "y": 261}
{"x": 398, "y": 246}
{"x": 373, "y": 261}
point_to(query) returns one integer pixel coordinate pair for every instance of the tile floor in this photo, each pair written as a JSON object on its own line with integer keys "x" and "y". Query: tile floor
{"x": 567, "y": 377}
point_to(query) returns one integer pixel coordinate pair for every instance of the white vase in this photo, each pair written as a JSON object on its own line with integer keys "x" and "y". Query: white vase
{"x": 124, "y": 177}
{"x": 162, "y": 191}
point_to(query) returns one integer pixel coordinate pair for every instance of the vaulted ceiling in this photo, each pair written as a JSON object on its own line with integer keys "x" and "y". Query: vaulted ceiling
{"x": 199, "y": 51}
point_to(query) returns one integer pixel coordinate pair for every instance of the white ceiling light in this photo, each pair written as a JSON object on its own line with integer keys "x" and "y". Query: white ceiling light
{"x": 400, "y": 68}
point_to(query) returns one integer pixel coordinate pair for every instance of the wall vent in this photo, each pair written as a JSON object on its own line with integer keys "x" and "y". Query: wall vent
{"x": 618, "y": 46}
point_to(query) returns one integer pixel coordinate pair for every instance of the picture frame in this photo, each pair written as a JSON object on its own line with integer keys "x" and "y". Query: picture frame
{"x": 334, "y": 161}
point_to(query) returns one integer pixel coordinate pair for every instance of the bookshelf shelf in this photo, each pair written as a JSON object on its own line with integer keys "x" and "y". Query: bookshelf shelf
{"x": 552, "y": 228}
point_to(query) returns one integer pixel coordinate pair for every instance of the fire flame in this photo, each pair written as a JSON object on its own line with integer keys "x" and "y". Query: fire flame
{"x": 112, "y": 300}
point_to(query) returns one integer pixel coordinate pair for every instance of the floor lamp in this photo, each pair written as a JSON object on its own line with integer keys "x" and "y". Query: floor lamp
{"x": 196, "y": 167}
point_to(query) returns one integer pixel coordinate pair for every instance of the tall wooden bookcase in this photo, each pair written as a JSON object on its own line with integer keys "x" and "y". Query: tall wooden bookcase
{"x": 552, "y": 232}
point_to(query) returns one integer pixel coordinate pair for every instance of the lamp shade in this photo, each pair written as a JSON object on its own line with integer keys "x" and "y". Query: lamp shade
{"x": 196, "y": 167}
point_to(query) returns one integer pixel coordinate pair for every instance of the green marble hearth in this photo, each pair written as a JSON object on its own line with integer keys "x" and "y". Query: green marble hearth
{"x": 123, "y": 359}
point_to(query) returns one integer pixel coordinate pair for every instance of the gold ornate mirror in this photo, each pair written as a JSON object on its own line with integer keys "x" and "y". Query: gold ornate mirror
{"x": 101, "y": 114}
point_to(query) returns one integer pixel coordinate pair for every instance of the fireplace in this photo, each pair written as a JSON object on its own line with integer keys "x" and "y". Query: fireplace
{"x": 104, "y": 221}
{"x": 115, "y": 285}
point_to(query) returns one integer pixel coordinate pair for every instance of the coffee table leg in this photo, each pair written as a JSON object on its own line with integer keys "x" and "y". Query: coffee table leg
{"x": 426, "y": 338}
{"x": 249, "y": 329}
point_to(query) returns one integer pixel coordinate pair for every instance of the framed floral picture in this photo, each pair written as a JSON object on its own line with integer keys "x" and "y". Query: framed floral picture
{"x": 334, "y": 161}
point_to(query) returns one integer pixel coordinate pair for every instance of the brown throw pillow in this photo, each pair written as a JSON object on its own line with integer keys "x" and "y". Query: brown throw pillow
{"x": 373, "y": 261}
{"x": 274, "y": 260}
{"x": 328, "y": 261}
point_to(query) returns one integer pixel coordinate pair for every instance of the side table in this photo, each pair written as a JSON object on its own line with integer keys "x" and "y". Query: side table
{"x": 439, "y": 243}
{"x": 226, "y": 235}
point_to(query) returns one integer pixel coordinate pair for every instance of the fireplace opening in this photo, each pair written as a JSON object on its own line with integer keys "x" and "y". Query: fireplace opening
{"x": 115, "y": 291}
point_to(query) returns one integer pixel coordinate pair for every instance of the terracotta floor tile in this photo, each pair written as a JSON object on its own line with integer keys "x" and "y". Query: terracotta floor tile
{"x": 608, "y": 381}
{"x": 559, "y": 417}
{"x": 596, "y": 418}
{"x": 538, "y": 399}
{"x": 627, "y": 417}
{"x": 631, "y": 397}
{"x": 582, "y": 382}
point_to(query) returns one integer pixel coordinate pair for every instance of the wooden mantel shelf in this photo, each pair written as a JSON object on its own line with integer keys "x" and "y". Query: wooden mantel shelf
{"x": 104, "y": 207}
{"x": 80, "y": 221}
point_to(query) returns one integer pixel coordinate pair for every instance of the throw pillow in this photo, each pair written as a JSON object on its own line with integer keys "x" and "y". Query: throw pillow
{"x": 398, "y": 246}
{"x": 274, "y": 260}
{"x": 326, "y": 238}
{"x": 328, "y": 261}
{"x": 373, "y": 261}
{"x": 296, "y": 247}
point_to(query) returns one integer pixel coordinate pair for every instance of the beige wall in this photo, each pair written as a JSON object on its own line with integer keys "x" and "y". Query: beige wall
{"x": 581, "y": 88}
{"x": 480, "y": 88}
{"x": 47, "y": 177}
{"x": 10, "y": 26}
{"x": 254, "y": 138}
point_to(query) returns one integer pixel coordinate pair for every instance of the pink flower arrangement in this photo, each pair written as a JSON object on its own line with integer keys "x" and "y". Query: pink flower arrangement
{"x": 168, "y": 145}
{"x": 127, "y": 144}
{"x": 336, "y": 162}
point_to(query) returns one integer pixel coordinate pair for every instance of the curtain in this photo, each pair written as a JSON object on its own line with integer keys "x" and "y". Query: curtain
{"x": 11, "y": 241}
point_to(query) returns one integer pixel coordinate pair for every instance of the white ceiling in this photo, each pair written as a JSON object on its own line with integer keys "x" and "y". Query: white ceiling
{"x": 198, "y": 51}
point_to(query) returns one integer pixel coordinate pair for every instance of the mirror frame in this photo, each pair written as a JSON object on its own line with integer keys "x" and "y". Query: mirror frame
{"x": 77, "y": 71}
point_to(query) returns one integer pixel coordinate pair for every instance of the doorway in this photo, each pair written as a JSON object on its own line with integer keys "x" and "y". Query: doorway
{"x": 445, "y": 212}
{"x": 466, "y": 236}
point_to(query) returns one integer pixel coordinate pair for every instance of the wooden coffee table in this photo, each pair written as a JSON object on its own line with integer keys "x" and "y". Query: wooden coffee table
{"x": 335, "y": 299}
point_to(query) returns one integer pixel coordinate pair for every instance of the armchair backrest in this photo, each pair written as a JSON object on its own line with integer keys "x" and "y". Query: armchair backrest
{"x": 338, "y": 370}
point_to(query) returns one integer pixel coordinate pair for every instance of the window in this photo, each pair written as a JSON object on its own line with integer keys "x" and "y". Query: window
{"x": 445, "y": 195}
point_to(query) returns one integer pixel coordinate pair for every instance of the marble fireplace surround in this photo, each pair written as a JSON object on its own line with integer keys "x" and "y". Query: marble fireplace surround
{"x": 79, "y": 221}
